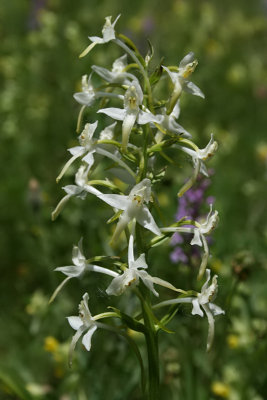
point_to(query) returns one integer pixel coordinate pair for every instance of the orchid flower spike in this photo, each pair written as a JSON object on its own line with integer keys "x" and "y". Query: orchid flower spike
{"x": 203, "y": 301}
{"x": 131, "y": 112}
{"x": 117, "y": 74}
{"x": 198, "y": 156}
{"x": 79, "y": 267}
{"x": 135, "y": 272}
{"x": 133, "y": 207}
{"x": 179, "y": 79}
{"x": 108, "y": 33}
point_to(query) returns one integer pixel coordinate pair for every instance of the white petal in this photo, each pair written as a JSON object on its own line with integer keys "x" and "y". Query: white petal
{"x": 71, "y": 270}
{"x": 172, "y": 75}
{"x": 77, "y": 150}
{"x": 145, "y": 219}
{"x": 75, "y": 322}
{"x": 115, "y": 200}
{"x": 86, "y": 341}
{"x": 216, "y": 310}
{"x": 96, "y": 39}
{"x": 72, "y": 190}
{"x": 140, "y": 262}
{"x": 196, "y": 308}
{"x": 146, "y": 117}
{"x": 103, "y": 72}
{"x": 85, "y": 99}
{"x": 89, "y": 158}
{"x": 196, "y": 239}
{"x": 187, "y": 59}
{"x": 147, "y": 279}
{"x": 191, "y": 88}
{"x": 127, "y": 126}
{"x": 115, "y": 113}
{"x": 176, "y": 111}
{"x": 120, "y": 283}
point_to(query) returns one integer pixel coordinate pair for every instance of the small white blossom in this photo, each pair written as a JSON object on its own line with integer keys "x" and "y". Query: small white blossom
{"x": 108, "y": 33}
{"x": 199, "y": 238}
{"x": 198, "y": 156}
{"x": 203, "y": 301}
{"x": 117, "y": 74}
{"x": 89, "y": 146}
{"x": 135, "y": 272}
{"x": 80, "y": 190}
{"x": 169, "y": 123}
{"x": 131, "y": 112}
{"x": 84, "y": 325}
{"x": 89, "y": 94}
{"x": 179, "y": 79}
{"x": 133, "y": 207}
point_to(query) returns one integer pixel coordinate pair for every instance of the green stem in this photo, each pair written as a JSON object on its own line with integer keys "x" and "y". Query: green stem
{"x": 151, "y": 337}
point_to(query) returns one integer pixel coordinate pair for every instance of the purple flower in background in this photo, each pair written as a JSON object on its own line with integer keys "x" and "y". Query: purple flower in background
{"x": 36, "y": 7}
{"x": 189, "y": 207}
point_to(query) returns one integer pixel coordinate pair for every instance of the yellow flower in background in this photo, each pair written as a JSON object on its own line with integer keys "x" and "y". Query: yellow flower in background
{"x": 220, "y": 389}
{"x": 232, "y": 341}
{"x": 51, "y": 344}
{"x": 261, "y": 151}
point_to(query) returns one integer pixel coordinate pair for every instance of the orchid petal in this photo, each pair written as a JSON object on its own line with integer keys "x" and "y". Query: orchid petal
{"x": 86, "y": 341}
{"x": 196, "y": 308}
{"x": 115, "y": 200}
{"x": 145, "y": 219}
{"x": 72, "y": 271}
{"x": 115, "y": 113}
{"x": 75, "y": 322}
{"x": 191, "y": 88}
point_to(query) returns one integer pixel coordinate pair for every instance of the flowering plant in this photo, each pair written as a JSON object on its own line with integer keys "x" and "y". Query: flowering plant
{"x": 148, "y": 128}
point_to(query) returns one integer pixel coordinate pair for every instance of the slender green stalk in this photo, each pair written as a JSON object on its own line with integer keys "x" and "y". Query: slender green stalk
{"x": 151, "y": 337}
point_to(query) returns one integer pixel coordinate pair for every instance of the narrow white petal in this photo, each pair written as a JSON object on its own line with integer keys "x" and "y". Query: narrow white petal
{"x": 196, "y": 308}
{"x": 131, "y": 251}
{"x": 216, "y": 310}
{"x": 145, "y": 219}
{"x": 71, "y": 270}
{"x": 127, "y": 126}
{"x": 84, "y": 98}
{"x": 196, "y": 239}
{"x": 115, "y": 113}
{"x": 74, "y": 341}
{"x": 115, "y": 200}
{"x": 75, "y": 322}
{"x": 191, "y": 88}
{"x": 147, "y": 279}
{"x": 103, "y": 72}
{"x": 147, "y": 117}
{"x": 211, "y": 326}
{"x": 140, "y": 262}
{"x": 86, "y": 341}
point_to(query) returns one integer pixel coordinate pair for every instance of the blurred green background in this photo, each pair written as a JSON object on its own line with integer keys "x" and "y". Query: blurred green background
{"x": 39, "y": 72}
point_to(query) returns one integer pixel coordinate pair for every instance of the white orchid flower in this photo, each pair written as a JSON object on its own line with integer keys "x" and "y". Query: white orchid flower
{"x": 199, "y": 239}
{"x": 79, "y": 267}
{"x": 131, "y": 112}
{"x": 133, "y": 207}
{"x": 117, "y": 74}
{"x": 198, "y": 156}
{"x": 170, "y": 124}
{"x": 108, "y": 33}
{"x": 89, "y": 94}
{"x": 179, "y": 79}
{"x": 89, "y": 146}
{"x": 135, "y": 272}
{"x": 80, "y": 190}
{"x": 203, "y": 301}
{"x": 200, "y": 231}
